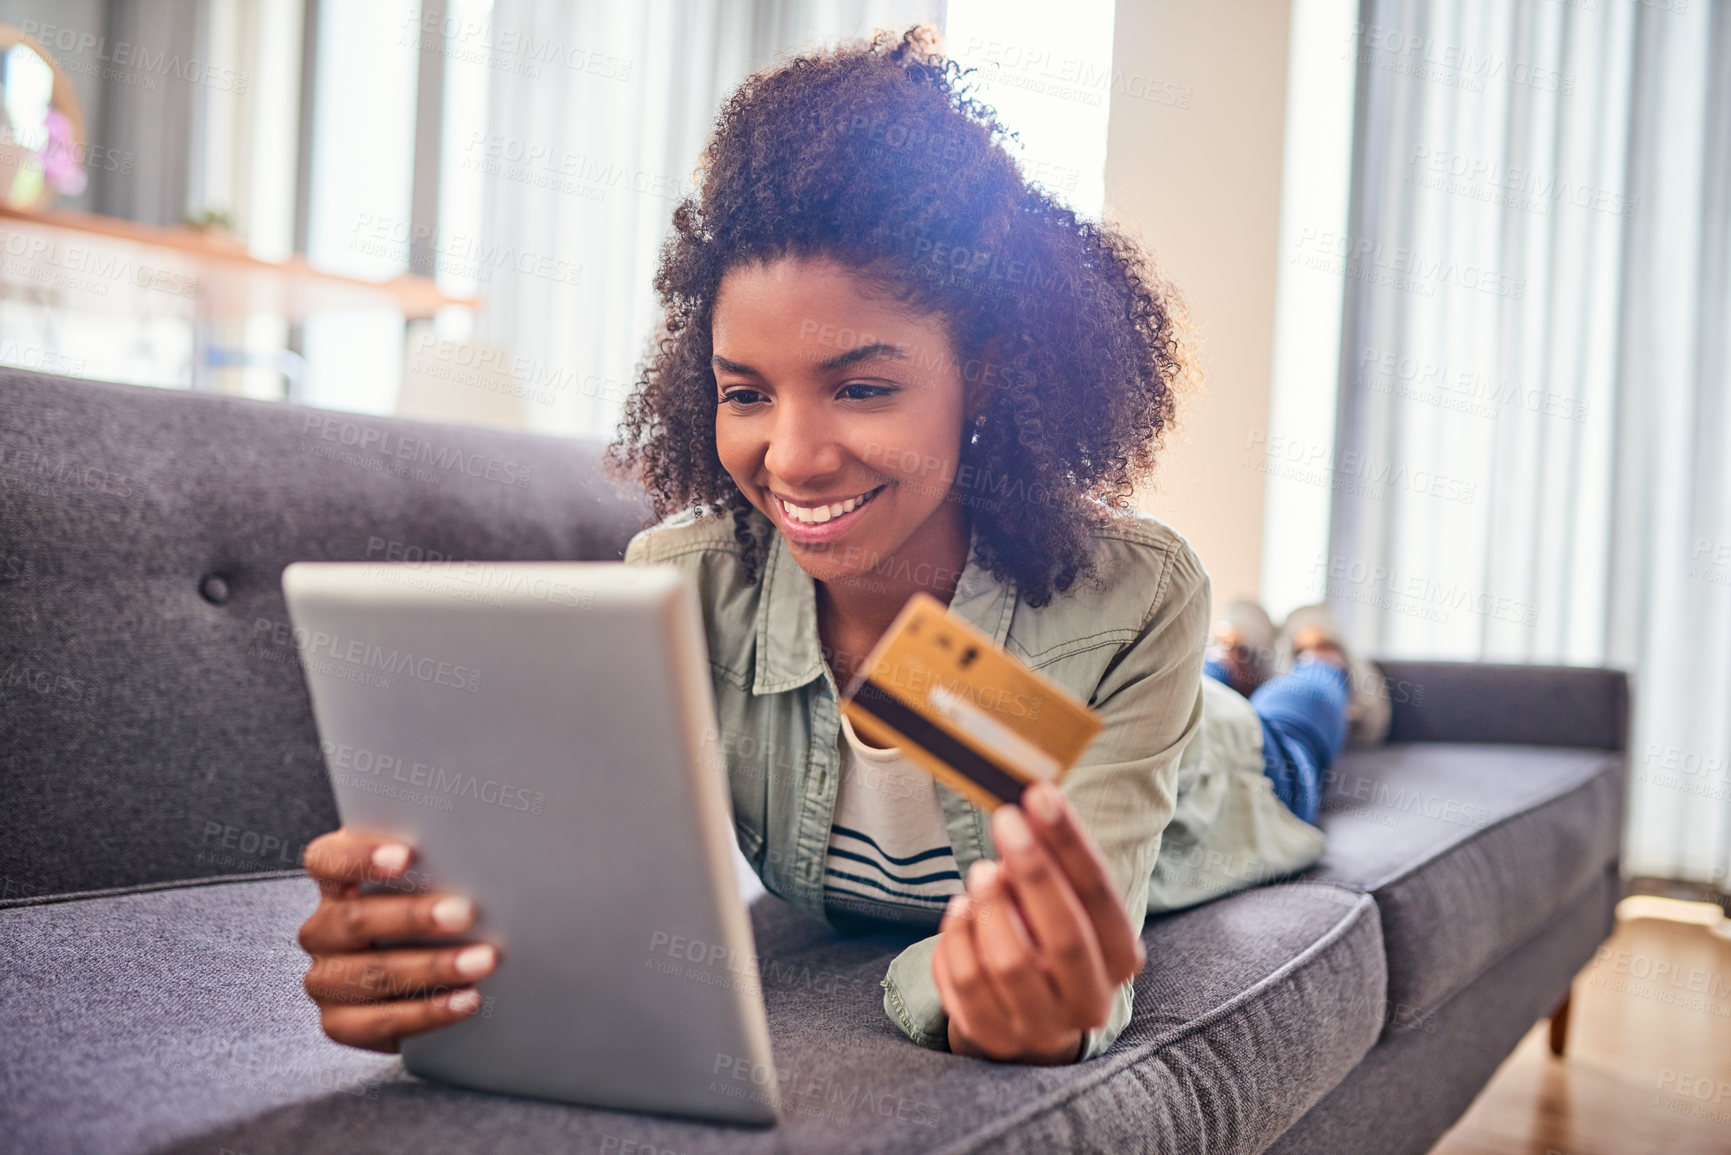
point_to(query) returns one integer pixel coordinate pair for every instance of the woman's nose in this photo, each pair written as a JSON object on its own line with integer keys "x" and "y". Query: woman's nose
{"x": 802, "y": 446}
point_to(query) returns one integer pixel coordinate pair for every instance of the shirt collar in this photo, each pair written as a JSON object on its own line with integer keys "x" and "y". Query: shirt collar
{"x": 789, "y": 651}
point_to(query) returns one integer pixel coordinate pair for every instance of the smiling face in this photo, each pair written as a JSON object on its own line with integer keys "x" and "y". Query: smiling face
{"x": 827, "y": 392}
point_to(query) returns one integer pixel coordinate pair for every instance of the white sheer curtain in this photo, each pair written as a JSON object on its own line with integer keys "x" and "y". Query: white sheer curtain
{"x": 586, "y": 152}
{"x": 1531, "y": 459}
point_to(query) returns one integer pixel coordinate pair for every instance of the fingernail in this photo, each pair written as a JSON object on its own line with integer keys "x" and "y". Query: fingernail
{"x": 1042, "y": 799}
{"x": 1012, "y": 829}
{"x": 957, "y": 904}
{"x": 453, "y": 912}
{"x": 475, "y": 960}
{"x": 464, "y": 1001}
{"x": 391, "y": 857}
{"x": 982, "y": 874}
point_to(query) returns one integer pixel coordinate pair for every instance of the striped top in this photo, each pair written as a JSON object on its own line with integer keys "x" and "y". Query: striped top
{"x": 889, "y": 851}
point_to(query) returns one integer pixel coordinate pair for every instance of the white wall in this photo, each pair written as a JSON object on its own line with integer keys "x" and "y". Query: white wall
{"x": 1193, "y": 165}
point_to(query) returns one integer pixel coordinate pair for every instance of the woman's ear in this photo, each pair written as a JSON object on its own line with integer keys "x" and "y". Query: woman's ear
{"x": 981, "y": 385}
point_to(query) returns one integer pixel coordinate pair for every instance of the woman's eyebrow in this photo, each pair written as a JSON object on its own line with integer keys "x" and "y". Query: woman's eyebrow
{"x": 869, "y": 352}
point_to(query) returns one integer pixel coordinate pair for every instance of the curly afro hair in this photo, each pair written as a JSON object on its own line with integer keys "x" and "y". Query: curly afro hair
{"x": 873, "y": 154}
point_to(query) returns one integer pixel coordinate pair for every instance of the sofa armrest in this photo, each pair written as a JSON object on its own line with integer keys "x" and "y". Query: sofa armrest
{"x": 1534, "y": 705}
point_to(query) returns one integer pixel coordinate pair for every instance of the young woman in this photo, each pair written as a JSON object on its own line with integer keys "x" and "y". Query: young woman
{"x": 890, "y": 365}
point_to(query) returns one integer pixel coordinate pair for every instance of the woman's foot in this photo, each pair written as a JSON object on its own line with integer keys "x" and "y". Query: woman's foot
{"x": 1241, "y": 640}
{"x": 1310, "y": 630}
{"x": 1319, "y": 644}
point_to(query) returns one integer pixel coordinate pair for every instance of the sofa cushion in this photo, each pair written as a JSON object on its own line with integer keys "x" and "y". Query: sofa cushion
{"x": 1434, "y": 1073}
{"x": 174, "y": 1019}
{"x": 154, "y": 721}
{"x": 1466, "y": 848}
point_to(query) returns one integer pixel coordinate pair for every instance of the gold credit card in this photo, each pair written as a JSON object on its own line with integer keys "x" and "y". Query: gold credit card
{"x": 983, "y": 723}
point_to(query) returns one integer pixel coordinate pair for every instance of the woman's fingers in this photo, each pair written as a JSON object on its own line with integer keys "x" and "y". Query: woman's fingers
{"x": 379, "y": 1026}
{"x": 342, "y": 859}
{"x": 1008, "y": 956}
{"x": 369, "y": 997}
{"x": 963, "y": 987}
{"x": 341, "y": 925}
{"x": 375, "y": 976}
{"x": 1061, "y": 928}
{"x": 1056, "y": 825}
{"x": 947, "y": 993}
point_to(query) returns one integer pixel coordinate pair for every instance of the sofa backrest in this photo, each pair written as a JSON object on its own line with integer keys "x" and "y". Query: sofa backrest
{"x": 1508, "y": 702}
{"x": 154, "y": 721}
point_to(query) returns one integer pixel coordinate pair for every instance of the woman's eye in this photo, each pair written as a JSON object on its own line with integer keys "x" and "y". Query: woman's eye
{"x": 855, "y": 392}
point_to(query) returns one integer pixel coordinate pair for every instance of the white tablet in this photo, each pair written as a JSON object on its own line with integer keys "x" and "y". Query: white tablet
{"x": 544, "y": 734}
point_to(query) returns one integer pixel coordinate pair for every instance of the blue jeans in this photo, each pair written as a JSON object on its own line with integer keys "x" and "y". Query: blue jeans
{"x": 1303, "y": 717}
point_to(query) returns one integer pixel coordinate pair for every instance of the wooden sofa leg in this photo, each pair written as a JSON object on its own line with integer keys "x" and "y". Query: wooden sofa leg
{"x": 1560, "y": 1024}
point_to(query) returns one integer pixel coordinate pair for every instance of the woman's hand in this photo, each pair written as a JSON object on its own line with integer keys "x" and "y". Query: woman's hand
{"x": 1030, "y": 959}
{"x": 368, "y": 997}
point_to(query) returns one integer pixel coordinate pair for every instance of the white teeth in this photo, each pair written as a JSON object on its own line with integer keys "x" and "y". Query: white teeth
{"x": 823, "y": 513}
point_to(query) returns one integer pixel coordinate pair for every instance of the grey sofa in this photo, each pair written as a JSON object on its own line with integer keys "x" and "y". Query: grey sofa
{"x": 160, "y": 776}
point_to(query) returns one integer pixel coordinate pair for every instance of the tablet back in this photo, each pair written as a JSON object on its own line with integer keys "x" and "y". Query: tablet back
{"x": 544, "y": 734}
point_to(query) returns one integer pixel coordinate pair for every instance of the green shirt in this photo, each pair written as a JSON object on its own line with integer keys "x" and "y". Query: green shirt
{"x": 1171, "y": 790}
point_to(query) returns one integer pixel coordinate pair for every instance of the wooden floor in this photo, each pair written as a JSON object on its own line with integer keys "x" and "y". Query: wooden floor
{"x": 1648, "y": 1065}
